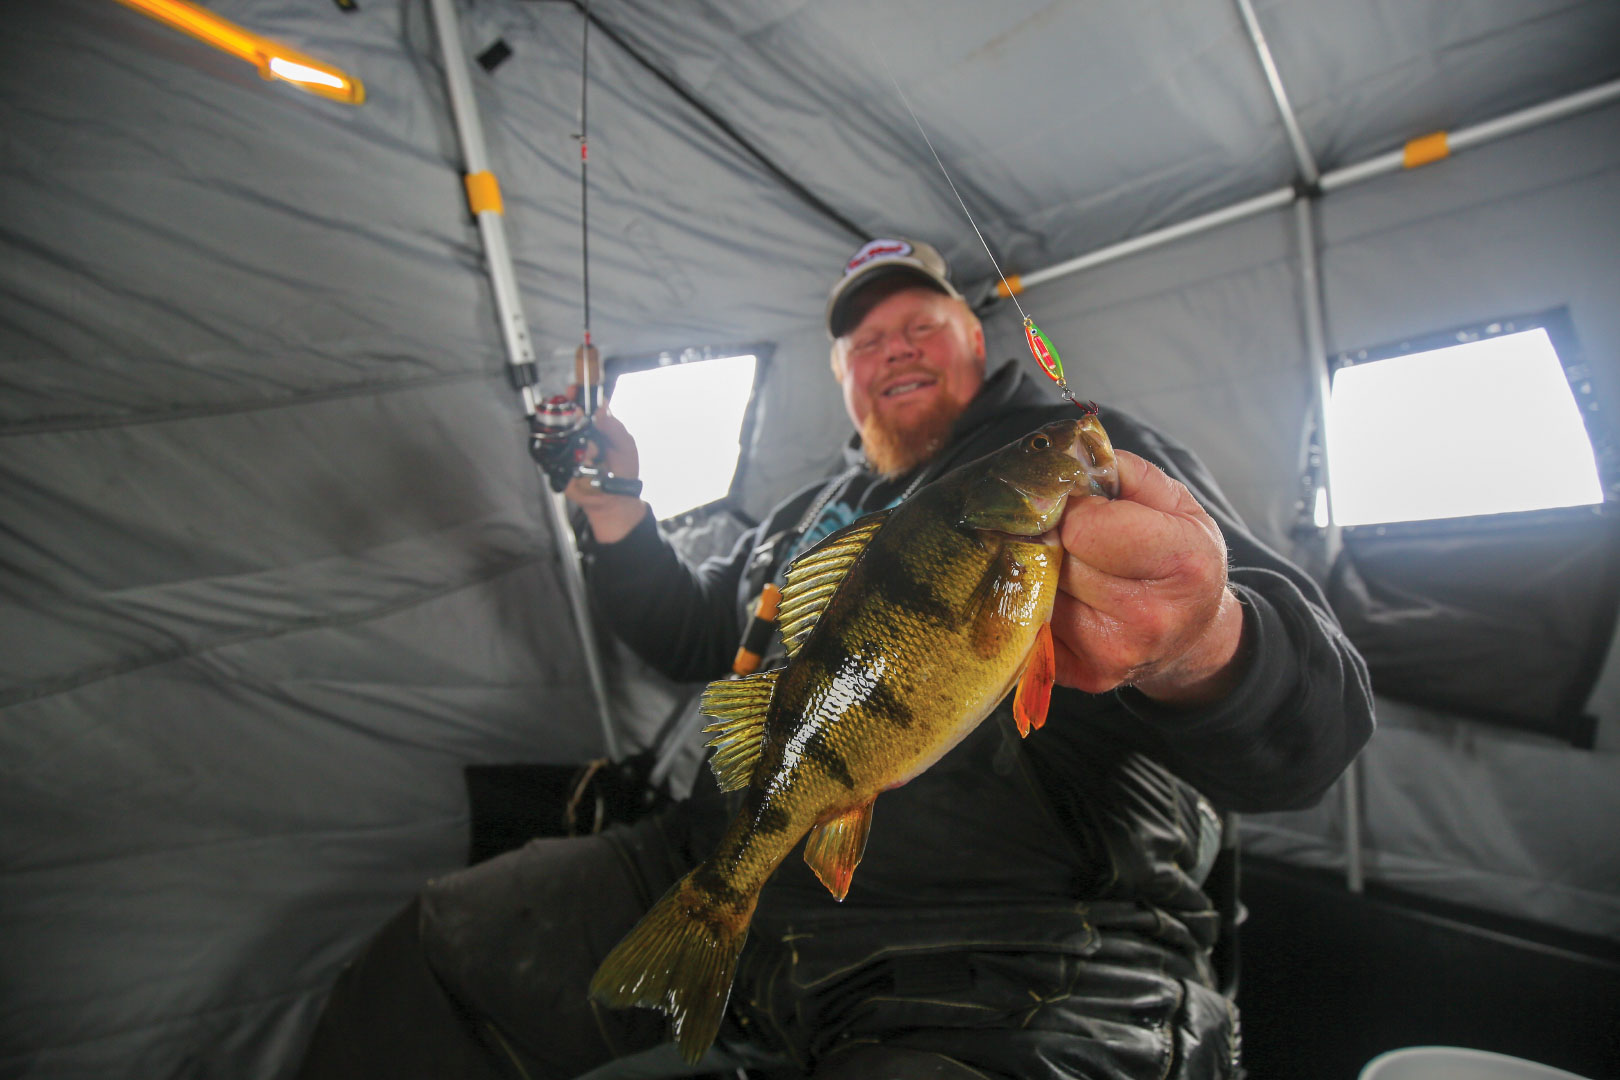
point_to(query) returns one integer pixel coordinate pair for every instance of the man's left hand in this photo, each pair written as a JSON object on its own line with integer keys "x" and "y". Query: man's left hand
{"x": 1142, "y": 594}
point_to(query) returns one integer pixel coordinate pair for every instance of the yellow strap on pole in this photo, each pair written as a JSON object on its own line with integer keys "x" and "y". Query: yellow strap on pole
{"x": 484, "y": 193}
{"x": 1010, "y": 286}
{"x": 1425, "y": 150}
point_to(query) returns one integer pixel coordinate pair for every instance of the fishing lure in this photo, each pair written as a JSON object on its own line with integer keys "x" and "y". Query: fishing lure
{"x": 1046, "y": 355}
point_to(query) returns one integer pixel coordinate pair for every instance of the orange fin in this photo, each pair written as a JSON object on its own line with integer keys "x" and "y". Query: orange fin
{"x": 1035, "y": 688}
{"x": 834, "y": 848}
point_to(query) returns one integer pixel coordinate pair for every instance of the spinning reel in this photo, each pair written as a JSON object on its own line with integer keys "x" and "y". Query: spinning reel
{"x": 561, "y": 434}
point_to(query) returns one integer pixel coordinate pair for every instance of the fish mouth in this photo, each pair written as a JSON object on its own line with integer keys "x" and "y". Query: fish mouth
{"x": 1044, "y": 510}
{"x": 1095, "y": 453}
{"x": 1046, "y": 507}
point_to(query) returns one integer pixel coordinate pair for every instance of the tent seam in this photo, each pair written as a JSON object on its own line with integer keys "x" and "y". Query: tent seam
{"x": 67, "y": 684}
{"x": 58, "y": 426}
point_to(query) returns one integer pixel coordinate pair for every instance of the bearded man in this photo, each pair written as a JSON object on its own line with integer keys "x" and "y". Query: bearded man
{"x": 1025, "y": 909}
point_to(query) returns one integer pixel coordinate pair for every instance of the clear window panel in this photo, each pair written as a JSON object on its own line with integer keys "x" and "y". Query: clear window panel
{"x": 687, "y": 420}
{"x": 1484, "y": 427}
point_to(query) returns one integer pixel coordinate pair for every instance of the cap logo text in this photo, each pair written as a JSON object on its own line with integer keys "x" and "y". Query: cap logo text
{"x": 877, "y": 249}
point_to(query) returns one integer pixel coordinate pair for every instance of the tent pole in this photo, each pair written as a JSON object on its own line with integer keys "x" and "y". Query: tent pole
{"x": 488, "y": 210}
{"x": 1316, "y": 359}
{"x": 1331, "y": 181}
{"x": 1310, "y": 288}
{"x": 1308, "y": 171}
{"x": 483, "y": 197}
{"x": 1273, "y": 200}
{"x": 1477, "y": 135}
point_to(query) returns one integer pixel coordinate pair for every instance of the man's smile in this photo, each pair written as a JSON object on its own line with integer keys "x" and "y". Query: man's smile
{"x": 909, "y": 384}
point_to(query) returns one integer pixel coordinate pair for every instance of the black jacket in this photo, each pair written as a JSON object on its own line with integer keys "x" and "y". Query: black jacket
{"x": 1035, "y": 907}
{"x": 1301, "y": 713}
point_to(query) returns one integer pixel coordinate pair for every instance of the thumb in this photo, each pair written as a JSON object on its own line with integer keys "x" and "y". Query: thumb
{"x": 1145, "y": 483}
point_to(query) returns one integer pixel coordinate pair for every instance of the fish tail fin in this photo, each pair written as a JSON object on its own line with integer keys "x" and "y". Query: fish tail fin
{"x": 681, "y": 959}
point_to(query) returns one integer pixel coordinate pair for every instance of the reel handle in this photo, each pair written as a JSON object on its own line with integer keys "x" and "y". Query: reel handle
{"x": 607, "y": 483}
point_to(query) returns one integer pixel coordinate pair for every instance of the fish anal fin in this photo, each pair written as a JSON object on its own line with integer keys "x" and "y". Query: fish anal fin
{"x": 1034, "y": 694}
{"x": 833, "y": 848}
{"x": 739, "y": 708}
{"x": 813, "y": 578}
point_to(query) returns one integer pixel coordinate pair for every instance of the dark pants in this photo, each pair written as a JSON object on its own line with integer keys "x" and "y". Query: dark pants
{"x": 485, "y": 976}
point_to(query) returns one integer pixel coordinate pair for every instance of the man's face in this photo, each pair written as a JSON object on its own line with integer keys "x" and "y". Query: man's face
{"x": 917, "y": 354}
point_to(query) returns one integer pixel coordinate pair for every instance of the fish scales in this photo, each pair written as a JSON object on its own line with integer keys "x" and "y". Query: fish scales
{"x": 937, "y": 611}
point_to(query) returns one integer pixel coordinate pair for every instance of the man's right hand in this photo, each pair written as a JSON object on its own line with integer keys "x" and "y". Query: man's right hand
{"x": 611, "y": 517}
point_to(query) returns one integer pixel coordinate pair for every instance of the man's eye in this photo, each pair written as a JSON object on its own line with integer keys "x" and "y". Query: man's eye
{"x": 923, "y": 329}
{"x": 866, "y": 346}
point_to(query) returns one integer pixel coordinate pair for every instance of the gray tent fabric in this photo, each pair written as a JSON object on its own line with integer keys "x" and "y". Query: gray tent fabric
{"x": 1478, "y": 816}
{"x": 274, "y": 559}
{"x": 274, "y": 565}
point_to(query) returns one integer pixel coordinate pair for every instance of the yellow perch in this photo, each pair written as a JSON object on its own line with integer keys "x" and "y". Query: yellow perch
{"x": 903, "y": 630}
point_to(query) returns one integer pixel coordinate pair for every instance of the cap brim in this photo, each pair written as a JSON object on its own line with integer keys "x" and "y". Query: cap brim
{"x": 843, "y": 313}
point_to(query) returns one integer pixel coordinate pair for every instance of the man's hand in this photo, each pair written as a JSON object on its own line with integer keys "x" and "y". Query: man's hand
{"x": 1143, "y": 597}
{"x": 611, "y": 517}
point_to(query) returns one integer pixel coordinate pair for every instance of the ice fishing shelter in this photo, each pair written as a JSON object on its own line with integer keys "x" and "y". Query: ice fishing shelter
{"x": 276, "y": 565}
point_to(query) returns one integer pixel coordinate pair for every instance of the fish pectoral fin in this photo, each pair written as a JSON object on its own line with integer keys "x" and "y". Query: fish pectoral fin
{"x": 814, "y": 577}
{"x": 739, "y": 708}
{"x": 1035, "y": 688}
{"x": 833, "y": 849}
{"x": 1003, "y": 604}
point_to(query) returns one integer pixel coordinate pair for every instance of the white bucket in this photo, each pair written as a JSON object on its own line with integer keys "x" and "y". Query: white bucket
{"x": 1456, "y": 1063}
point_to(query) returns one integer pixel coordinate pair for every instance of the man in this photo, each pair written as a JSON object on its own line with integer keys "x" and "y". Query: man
{"x": 1024, "y": 908}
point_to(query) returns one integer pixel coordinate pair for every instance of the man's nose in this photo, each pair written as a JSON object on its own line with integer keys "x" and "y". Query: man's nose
{"x": 897, "y": 345}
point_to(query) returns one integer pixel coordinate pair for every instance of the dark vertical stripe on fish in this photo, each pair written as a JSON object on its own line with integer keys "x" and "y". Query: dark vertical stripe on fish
{"x": 829, "y": 758}
{"x": 904, "y": 588}
{"x": 708, "y": 879}
{"x": 887, "y": 700}
{"x": 770, "y": 816}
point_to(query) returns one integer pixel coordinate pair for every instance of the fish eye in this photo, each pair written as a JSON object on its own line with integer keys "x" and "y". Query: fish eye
{"x": 1039, "y": 442}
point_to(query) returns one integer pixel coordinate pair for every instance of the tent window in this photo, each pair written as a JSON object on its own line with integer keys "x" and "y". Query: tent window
{"x": 691, "y": 413}
{"x": 1488, "y": 420}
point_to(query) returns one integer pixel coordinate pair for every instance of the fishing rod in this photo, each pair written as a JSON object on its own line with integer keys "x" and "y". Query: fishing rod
{"x": 561, "y": 432}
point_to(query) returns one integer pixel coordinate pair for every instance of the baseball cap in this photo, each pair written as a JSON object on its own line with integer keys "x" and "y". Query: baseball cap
{"x": 885, "y": 259}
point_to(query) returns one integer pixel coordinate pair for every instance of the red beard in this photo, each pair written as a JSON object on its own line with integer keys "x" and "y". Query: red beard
{"x": 893, "y": 448}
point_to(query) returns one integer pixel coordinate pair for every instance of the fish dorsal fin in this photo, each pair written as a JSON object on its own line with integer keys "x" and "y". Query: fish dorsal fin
{"x": 814, "y": 576}
{"x": 739, "y": 708}
{"x": 835, "y": 846}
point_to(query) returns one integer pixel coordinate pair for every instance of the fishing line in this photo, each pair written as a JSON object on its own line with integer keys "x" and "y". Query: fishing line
{"x": 946, "y": 172}
{"x": 1040, "y": 346}
{"x": 584, "y": 186}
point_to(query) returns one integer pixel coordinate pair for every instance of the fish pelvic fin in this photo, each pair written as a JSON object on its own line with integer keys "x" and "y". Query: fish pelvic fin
{"x": 833, "y": 848}
{"x": 1034, "y": 693}
{"x": 681, "y": 959}
{"x": 739, "y": 708}
{"x": 814, "y": 577}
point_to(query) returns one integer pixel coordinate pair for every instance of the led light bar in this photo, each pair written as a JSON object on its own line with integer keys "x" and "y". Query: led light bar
{"x": 273, "y": 59}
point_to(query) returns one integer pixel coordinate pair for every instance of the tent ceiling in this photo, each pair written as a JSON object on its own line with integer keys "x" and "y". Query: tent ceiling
{"x": 1070, "y": 126}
